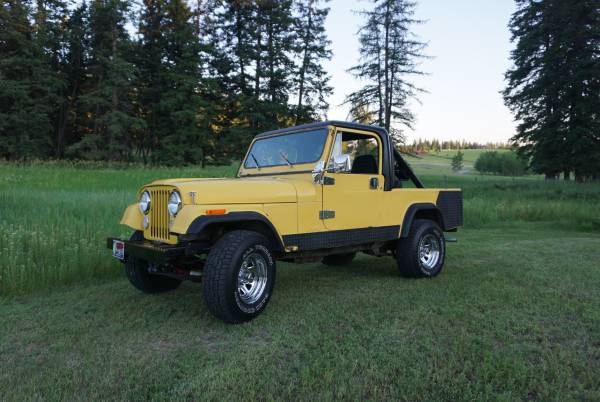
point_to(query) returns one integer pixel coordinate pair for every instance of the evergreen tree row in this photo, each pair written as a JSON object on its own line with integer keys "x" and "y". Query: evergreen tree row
{"x": 160, "y": 80}
{"x": 424, "y": 145}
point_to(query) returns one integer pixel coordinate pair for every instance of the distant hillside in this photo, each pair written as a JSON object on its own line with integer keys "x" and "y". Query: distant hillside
{"x": 439, "y": 162}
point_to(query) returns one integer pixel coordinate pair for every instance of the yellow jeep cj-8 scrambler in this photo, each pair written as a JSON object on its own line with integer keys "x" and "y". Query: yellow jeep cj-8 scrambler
{"x": 321, "y": 191}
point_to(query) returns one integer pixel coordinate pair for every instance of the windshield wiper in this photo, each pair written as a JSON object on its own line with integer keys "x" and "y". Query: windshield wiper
{"x": 285, "y": 158}
{"x": 255, "y": 160}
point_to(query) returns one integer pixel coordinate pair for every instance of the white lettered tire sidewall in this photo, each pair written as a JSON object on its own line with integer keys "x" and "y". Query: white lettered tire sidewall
{"x": 220, "y": 276}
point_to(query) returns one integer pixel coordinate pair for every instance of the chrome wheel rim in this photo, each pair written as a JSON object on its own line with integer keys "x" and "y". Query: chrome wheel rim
{"x": 252, "y": 278}
{"x": 429, "y": 251}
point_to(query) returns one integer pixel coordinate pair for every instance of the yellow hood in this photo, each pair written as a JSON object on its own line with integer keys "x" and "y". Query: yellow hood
{"x": 233, "y": 191}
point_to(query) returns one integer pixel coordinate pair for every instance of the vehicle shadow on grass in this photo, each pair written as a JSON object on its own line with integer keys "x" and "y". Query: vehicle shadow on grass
{"x": 293, "y": 282}
{"x": 362, "y": 266}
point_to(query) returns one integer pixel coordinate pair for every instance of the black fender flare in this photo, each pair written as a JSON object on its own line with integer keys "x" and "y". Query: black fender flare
{"x": 199, "y": 224}
{"x": 412, "y": 211}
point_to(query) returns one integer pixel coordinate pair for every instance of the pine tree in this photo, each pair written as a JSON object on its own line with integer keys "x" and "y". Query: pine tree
{"x": 254, "y": 48}
{"x": 50, "y": 18}
{"x": 390, "y": 53}
{"x": 234, "y": 29}
{"x": 71, "y": 124}
{"x": 237, "y": 20}
{"x": 554, "y": 86}
{"x": 27, "y": 86}
{"x": 181, "y": 138}
{"x": 217, "y": 87}
{"x": 313, "y": 49}
{"x": 109, "y": 97}
{"x": 151, "y": 75}
{"x": 278, "y": 60}
{"x": 457, "y": 161}
{"x": 581, "y": 38}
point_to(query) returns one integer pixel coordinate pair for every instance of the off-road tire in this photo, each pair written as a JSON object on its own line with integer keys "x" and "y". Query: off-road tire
{"x": 338, "y": 259}
{"x": 220, "y": 276}
{"x": 407, "y": 250}
{"x": 137, "y": 273}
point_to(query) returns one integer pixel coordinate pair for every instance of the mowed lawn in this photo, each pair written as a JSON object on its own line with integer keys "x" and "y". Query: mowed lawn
{"x": 515, "y": 315}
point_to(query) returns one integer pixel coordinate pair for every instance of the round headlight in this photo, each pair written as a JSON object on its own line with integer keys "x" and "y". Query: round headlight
{"x": 145, "y": 202}
{"x": 174, "y": 203}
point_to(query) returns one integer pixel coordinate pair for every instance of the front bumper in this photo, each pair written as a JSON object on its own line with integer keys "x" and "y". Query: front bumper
{"x": 157, "y": 253}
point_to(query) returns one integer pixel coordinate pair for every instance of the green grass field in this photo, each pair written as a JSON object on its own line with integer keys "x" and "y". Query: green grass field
{"x": 515, "y": 315}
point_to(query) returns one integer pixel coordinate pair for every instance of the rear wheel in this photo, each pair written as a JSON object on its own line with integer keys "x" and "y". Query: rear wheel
{"x": 137, "y": 273}
{"x": 422, "y": 253}
{"x": 338, "y": 259}
{"x": 238, "y": 277}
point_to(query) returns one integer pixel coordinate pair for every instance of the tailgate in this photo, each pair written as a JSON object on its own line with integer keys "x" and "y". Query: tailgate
{"x": 450, "y": 204}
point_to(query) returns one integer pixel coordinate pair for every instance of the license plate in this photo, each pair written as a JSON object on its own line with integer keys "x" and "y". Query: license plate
{"x": 118, "y": 249}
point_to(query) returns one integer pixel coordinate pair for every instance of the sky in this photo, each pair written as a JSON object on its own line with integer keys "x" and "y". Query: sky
{"x": 468, "y": 45}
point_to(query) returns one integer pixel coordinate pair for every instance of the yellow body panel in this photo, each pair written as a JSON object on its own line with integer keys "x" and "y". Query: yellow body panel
{"x": 288, "y": 198}
{"x": 282, "y": 216}
{"x": 396, "y": 202}
{"x": 251, "y": 190}
{"x": 132, "y": 217}
{"x": 310, "y": 202}
{"x": 355, "y": 203}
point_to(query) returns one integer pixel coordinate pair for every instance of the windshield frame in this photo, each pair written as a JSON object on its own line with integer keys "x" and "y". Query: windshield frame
{"x": 284, "y": 165}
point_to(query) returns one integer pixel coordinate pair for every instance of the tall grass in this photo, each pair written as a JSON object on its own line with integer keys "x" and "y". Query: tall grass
{"x": 54, "y": 217}
{"x": 491, "y": 200}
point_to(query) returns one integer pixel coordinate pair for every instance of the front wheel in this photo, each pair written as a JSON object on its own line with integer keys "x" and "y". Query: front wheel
{"x": 422, "y": 253}
{"x": 238, "y": 277}
{"x": 138, "y": 275}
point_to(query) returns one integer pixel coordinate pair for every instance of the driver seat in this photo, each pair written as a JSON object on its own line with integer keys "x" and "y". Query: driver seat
{"x": 364, "y": 164}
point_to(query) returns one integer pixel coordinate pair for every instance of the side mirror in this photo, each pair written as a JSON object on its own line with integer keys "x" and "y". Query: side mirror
{"x": 318, "y": 172}
{"x": 340, "y": 164}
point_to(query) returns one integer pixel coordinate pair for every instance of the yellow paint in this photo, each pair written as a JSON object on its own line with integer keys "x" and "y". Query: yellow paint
{"x": 218, "y": 192}
{"x": 396, "y": 202}
{"x": 283, "y": 217}
{"x": 291, "y": 202}
{"x": 356, "y": 205}
{"x": 132, "y": 217}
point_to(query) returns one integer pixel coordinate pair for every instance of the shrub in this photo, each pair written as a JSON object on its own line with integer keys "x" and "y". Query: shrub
{"x": 501, "y": 163}
{"x": 457, "y": 161}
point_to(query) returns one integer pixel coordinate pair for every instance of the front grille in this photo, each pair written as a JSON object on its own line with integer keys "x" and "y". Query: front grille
{"x": 159, "y": 214}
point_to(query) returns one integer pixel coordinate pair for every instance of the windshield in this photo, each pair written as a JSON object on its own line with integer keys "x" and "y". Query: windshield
{"x": 287, "y": 149}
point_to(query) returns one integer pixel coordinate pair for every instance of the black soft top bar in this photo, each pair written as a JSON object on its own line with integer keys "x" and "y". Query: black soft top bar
{"x": 322, "y": 124}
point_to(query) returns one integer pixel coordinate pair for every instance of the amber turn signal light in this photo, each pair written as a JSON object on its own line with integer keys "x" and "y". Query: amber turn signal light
{"x": 215, "y": 212}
